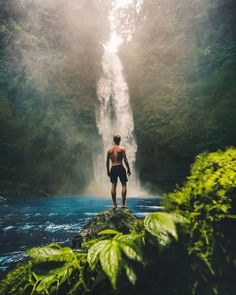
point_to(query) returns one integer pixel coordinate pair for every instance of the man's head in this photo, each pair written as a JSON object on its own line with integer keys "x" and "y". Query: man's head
{"x": 117, "y": 139}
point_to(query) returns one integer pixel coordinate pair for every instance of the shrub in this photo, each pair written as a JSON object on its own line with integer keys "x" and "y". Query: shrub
{"x": 207, "y": 201}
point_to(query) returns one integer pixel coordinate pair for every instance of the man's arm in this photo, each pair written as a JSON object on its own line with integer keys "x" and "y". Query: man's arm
{"x": 108, "y": 163}
{"x": 127, "y": 163}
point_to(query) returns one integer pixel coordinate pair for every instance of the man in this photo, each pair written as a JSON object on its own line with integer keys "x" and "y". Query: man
{"x": 117, "y": 154}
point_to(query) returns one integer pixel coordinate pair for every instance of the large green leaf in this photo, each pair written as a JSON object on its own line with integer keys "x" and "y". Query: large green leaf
{"x": 110, "y": 258}
{"x": 114, "y": 255}
{"x": 52, "y": 252}
{"x": 161, "y": 226}
{"x": 94, "y": 252}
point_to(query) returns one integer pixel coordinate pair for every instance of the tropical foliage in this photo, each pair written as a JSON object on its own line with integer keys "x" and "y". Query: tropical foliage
{"x": 49, "y": 65}
{"x": 207, "y": 201}
{"x": 53, "y": 269}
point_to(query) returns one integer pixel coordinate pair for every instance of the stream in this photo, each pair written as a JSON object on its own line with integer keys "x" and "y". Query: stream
{"x": 28, "y": 222}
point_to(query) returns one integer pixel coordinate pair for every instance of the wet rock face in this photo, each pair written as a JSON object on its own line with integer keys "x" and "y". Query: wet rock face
{"x": 121, "y": 220}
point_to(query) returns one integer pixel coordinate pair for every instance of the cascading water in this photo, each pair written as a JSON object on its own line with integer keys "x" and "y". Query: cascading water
{"x": 115, "y": 114}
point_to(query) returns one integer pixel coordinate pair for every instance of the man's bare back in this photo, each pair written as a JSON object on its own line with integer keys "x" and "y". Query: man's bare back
{"x": 116, "y": 154}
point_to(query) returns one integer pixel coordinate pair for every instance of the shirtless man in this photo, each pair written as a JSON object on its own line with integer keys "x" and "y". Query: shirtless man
{"x": 117, "y": 154}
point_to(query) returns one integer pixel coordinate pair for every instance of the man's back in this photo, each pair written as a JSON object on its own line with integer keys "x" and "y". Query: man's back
{"x": 116, "y": 154}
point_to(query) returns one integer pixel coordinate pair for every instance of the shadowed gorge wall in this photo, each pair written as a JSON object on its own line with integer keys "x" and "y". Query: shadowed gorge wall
{"x": 50, "y": 53}
{"x": 180, "y": 67}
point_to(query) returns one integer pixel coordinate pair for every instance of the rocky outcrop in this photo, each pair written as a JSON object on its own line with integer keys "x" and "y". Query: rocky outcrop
{"x": 121, "y": 220}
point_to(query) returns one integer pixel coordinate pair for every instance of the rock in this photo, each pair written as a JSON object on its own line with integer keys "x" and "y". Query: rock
{"x": 121, "y": 220}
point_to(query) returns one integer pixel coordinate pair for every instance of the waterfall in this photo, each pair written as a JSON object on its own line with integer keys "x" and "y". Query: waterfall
{"x": 114, "y": 115}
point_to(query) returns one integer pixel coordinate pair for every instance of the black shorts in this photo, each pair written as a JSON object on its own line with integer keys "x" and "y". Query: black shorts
{"x": 116, "y": 171}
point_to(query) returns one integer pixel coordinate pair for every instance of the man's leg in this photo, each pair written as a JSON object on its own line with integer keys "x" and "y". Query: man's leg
{"x": 123, "y": 194}
{"x": 113, "y": 194}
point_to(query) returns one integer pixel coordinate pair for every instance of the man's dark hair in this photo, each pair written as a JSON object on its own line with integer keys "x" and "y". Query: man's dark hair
{"x": 117, "y": 139}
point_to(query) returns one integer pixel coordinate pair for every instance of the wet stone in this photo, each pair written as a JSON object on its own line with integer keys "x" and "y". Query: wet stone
{"x": 122, "y": 220}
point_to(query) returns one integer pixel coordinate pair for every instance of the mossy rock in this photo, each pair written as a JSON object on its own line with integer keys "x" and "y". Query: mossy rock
{"x": 122, "y": 220}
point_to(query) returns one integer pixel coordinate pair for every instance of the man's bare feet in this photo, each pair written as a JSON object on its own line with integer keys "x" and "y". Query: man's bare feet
{"x": 124, "y": 206}
{"x": 114, "y": 206}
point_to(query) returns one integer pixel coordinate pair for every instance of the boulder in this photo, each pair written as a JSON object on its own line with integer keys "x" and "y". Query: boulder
{"x": 122, "y": 220}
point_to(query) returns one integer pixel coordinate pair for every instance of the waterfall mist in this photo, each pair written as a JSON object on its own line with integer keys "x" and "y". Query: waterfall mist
{"x": 114, "y": 114}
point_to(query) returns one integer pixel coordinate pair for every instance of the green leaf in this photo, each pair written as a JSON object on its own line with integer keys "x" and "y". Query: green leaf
{"x": 50, "y": 253}
{"x": 110, "y": 258}
{"x": 130, "y": 274}
{"x": 113, "y": 254}
{"x": 50, "y": 280}
{"x": 109, "y": 232}
{"x": 130, "y": 252}
{"x": 94, "y": 251}
{"x": 161, "y": 226}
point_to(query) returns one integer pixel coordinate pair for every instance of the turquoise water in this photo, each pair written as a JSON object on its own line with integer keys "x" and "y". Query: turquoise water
{"x": 29, "y": 222}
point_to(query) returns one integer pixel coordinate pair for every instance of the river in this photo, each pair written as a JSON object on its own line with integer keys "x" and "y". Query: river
{"x": 34, "y": 221}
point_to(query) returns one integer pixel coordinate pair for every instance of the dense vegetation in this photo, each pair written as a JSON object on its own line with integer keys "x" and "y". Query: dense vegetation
{"x": 189, "y": 250}
{"x": 50, "y": 56}
{"x": 207, "y": 201}
{"x": 180, "y": 67}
